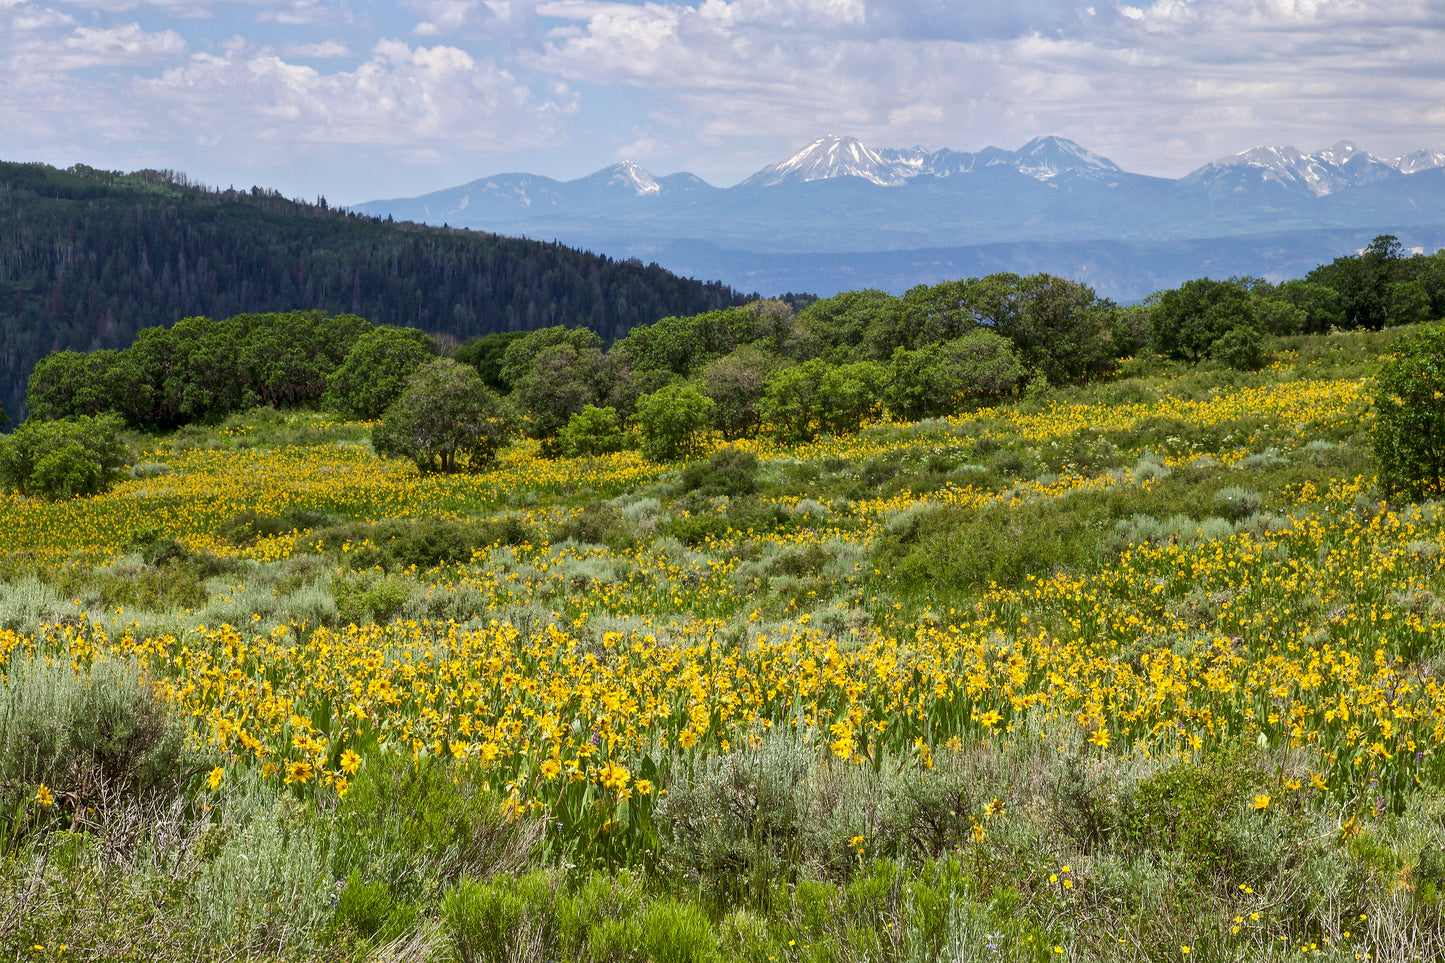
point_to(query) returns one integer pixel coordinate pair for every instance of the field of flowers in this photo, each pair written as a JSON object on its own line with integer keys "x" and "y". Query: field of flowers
{"x": 1230, "y": 619}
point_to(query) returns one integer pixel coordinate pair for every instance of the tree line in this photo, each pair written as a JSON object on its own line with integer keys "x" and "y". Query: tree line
{"x": 90, "y": 258}
{"x": 667, "y": 386}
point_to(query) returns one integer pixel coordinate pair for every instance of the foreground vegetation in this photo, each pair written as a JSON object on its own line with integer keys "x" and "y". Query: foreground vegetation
{"x": 1145, "y": 669}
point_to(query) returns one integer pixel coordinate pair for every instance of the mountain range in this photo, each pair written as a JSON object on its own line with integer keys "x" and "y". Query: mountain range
{"x": 841, "y": 214}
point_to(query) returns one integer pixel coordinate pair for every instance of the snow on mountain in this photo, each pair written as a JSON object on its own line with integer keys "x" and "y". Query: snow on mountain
{"x": 829, "y": 157}
{"x": 1420, "y": 160}
{"x": 1338, "y": 167}
{"x": 630, "y": 178}
{"x": 1042, "y": 158}
{"x": 1046, "y": 157}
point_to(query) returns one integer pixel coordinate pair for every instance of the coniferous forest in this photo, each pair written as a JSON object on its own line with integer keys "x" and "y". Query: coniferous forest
{"x": 90, "y": 257}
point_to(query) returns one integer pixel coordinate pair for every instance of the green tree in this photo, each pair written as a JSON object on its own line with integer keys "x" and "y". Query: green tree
{"x": 851, "y": 394}
{"x": 1409, "y": 431}
{"x": 1363, "y": 281}
{"x": 446, "y": 420}
{"x": 735, "y": 383}
{"x": 672, "y": 421}
{"x": 65, "y": 384}
{"x": 1319, "y": 305}
{"x": 1061, "y": 328}
{"x": 558, "y": 383}
{"x": 1186, "y": 321}
{"x": 520, "y": 355}
{"x": 375, "y": 370}
{"x": 486, "y": 353}
{"x": 844, "y": 327}
{"x": 792, "y": 400}
{"x": 64, "y": 458}
{"x": 929, "y": 382}
{"x": 1409, "y": 303}
{"x": 592, "y": 431}
{"x": 1242, "y": 348}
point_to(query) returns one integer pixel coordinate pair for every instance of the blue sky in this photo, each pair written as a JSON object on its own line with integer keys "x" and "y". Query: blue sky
{"x": 360, "y": 100}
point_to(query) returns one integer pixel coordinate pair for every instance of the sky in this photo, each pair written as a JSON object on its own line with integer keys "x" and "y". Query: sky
{"x": 357, "y": 101}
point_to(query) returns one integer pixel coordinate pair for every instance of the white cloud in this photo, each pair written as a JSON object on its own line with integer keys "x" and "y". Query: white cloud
{"x": 1157, "y": 84}
{"x": 126, "y": 44}
{"x": 266, "y": 9}
{"x": 402, "y": 99}
{"x": 318, "y": 51}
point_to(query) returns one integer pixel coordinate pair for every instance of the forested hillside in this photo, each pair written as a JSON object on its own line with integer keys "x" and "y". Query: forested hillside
{"x": 89, "y": 257}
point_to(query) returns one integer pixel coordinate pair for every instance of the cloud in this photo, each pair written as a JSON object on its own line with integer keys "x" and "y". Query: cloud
{"x": 1151, "y": 82}
{"x": 90, "y": 46}
{"x": 38, "y": 42}
{"x": 318, "y": 51}
{"x": 283, "y": 11}
{"x": 402, "y": 99}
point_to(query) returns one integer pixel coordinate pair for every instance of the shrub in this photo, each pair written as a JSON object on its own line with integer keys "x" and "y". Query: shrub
{"x": 94, "y": 735}
{"x": 446, "y": 420}
{"x": 728, "y": 471}
{"x": 1409, "y": 432}
{"x": 417, "y": 823}
{"x": 671, "y": 421}
{"x": 248, "y": 526}
{"x": 739, "y": 819}
{"x": 424, "y": 542}
{"x": 1185, "y": 807}
{"x": 1242, "y": 348}
{"x": 376, "y": 370}
{"x": 502, "y": 920}
{"x": 597, "y": 524}
{"x": 592, "y": 431}
{"x": 368, "y": 912}
{"x": 65, "y": 458}
{"x": 1237, "y": 503}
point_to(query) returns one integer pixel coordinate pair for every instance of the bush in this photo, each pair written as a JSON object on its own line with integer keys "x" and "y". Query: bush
{"x": 376, "y": 370}
{"x": 1185, "y": 808}
{"x": 1241, "y": 348}
{"x": 423, "y": 542}
{"x": 368, "y": 912}
{"x": 417, "y": 823}
{"x": 739, "y": 820}
{"x": 1409, "y": 433}
{"x": 1237, "y": 504}
{"x": 728, "y": 471}
{"x": 247, "y": 526}
{"x": 671, "y": 422}
{"x": 63, "y": 459}
{"x": 502, "y": 920}
{"x": 592, "y": 431}
{"x": 446, "y": 420}
{"x": 91, "y": 736}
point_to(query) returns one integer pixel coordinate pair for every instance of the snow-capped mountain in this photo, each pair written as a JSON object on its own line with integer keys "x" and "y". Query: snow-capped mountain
{"x": 626, "y": 177}
{"x": 1339, "y": 167}
{"x": 872, "y": 205}
{"x": 1420, "y": 160}
{"x": 828, "y": 157}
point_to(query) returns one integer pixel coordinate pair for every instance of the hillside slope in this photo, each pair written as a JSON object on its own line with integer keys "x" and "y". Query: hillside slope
{"x": 88, "y": 258}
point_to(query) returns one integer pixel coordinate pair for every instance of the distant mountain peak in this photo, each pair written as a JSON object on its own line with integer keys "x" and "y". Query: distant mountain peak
{"x": 827, "y": 157}
{"x": 630, "y": 176}
{"x": 1340, "y": 166}
{"x": 1420, "y": 160}
{"x": 1042, "y": 158}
